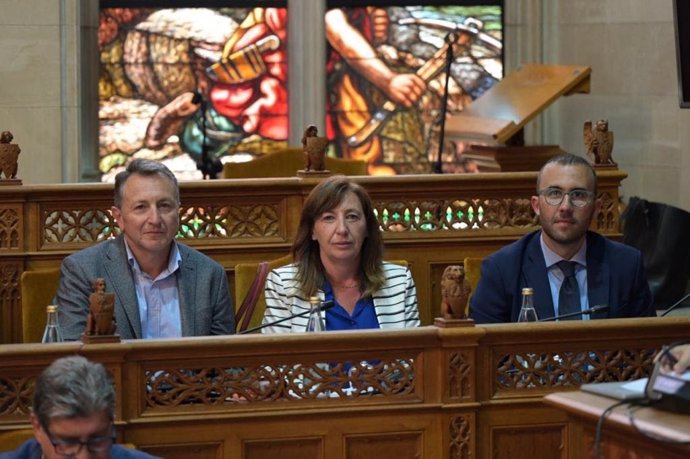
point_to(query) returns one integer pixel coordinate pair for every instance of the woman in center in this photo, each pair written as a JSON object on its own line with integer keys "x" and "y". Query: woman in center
{"x": 338, "y": 253}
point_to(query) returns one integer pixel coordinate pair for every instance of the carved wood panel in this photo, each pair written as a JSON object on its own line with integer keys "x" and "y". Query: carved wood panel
{"x": 187, "y": 451}
{"x": 461, "y": 375}
{"x": 608, "y": 218}
{"x": 293, "y": 382}
{"x": 454, "y": 214}
{"x": 11, "y": 227}
{"x": 62, "y": 226}
{"x": 461, "y": 432}
{"x": 530, "y": 442}
{"x": 298, "y": 448}
{"x": 10, "y": 299}
{"x": 547, "y": 370}
{"x": 16, "y": 394}
{"x": 407, "y": 445}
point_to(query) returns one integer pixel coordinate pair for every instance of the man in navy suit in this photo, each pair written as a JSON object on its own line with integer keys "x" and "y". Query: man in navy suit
{"x": 162, "y": 289}
{"x": 73, "y": 414}
{"x": 606, "y": 272}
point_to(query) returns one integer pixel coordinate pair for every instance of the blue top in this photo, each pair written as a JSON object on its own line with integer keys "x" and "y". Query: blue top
{"x": 337, "y": 318}
{"x": 30, "y": 449}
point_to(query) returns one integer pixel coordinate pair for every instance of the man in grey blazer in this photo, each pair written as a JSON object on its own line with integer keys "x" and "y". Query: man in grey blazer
{"x": 163, "y": 289}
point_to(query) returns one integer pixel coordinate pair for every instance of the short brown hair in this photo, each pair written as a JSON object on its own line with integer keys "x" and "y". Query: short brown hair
{"x": 568, "y": 159}
{"x": 145, "y": 167}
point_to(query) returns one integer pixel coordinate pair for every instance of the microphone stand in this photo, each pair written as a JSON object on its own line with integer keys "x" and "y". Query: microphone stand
{"x": 325, "y": 306}
{"x": 208, "y": 168}
{"x": 675, "y": 305}
{"x": 599, "y": 308}
{"x": 450, "y": 41}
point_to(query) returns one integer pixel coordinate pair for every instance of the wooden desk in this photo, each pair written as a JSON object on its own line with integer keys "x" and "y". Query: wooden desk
{"x": 620, "y": 438}
{"x": 466, "y": 392}
{"x": 431, "y": 221}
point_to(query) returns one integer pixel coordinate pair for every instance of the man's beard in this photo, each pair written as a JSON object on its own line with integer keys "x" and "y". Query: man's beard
{"x": 570, "y": 237}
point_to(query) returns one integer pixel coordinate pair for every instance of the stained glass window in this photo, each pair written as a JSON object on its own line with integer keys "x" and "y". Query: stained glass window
{"x": 194, "y": 82}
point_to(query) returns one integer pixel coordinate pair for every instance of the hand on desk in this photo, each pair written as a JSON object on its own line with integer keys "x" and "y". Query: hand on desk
{"x": 676, "y": 358}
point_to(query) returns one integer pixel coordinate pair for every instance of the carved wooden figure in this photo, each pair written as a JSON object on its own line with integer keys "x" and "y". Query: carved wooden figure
{"x": 314, "y": 149}
{"x": 599, "y": 143}
{"x": 454, "y": 292}
{"x": 101, "y": 318}
{"x": 9, "y": 154}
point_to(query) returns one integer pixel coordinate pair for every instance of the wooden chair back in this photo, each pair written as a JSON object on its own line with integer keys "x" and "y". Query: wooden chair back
{"x": 245, "y": 274}
{"x": 38, "y": 288}
{"x": 473, "y": 270}
{"x": 286, "y": 163}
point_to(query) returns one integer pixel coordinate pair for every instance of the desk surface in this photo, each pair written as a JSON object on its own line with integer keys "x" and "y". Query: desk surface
{"x": 588, "y": 407}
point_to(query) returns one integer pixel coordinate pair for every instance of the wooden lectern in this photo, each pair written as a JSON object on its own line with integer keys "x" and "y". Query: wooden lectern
{"x": 492, "y": 126}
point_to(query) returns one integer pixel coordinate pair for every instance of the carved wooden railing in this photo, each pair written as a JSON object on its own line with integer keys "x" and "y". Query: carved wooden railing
{"x": 428, "y": 392}
{"x": 429, "y": 220}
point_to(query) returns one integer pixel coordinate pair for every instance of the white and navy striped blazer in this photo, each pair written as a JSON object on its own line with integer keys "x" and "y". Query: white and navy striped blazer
{"x": 395, "y": 303}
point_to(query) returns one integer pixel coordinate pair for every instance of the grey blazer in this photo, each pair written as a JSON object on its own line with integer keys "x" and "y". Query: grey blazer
{"x": 206, "y": 307}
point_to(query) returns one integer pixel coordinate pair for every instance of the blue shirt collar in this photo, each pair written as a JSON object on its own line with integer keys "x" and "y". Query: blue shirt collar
{"x": 173, "y": 260}
{"x": 551, "y": 257}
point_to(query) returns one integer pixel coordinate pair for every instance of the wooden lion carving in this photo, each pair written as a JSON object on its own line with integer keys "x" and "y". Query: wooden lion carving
{"x": 454, "y": 292}
{"x": 101, "y": 318}
{"x": 598, "y": 143}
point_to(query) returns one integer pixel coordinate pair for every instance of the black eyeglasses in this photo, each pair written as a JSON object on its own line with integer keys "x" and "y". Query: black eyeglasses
{"x": 578, "y": 198}
{"x": 71, "y": 448}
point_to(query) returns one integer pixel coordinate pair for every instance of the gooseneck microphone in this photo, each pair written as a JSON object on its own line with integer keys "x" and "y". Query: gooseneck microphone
{"x": 592, "y": 310}
{"x": 325, "y": 306}
{"x": 675, "y": 305}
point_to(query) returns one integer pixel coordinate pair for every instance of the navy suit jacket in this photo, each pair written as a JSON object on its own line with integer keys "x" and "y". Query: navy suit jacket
{"x": 615, "y": 277}
{"x": 205, "y": 304}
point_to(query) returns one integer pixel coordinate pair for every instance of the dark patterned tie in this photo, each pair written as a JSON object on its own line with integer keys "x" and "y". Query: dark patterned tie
{"x": 569, "y": 296}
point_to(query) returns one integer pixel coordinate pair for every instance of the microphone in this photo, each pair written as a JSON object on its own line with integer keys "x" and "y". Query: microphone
{"x": 325, "y": 306}
{"x": 450, "y": 40}
{"x": 674, "y": 305}
{"x": 592, "y": 310}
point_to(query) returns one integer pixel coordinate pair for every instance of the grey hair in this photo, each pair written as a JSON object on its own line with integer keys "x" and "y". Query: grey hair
{"x": 73, "y": 387}
{"x": 568, "y": 159}
{"x": 145, "y": 167}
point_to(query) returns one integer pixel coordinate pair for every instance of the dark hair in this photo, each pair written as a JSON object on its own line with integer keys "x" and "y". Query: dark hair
{"x": 568, "y": 159}
{"x": 73, "y": 387}
{"x": 145, "y": 167}
{"x": 326, "y": 196}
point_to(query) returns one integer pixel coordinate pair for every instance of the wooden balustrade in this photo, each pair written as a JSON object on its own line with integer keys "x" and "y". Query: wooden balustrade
{"x": 429, "y": 220}
{"x": 473, "y": 391}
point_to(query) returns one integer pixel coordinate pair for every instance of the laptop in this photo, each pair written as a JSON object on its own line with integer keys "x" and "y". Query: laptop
{"x": 619, "y": 390}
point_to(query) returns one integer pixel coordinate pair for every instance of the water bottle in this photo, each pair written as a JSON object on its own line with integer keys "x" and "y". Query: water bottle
{"x": 52, "y": 333}
{"x": 527, "y": 312}
{"x": 315, "y": 323}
